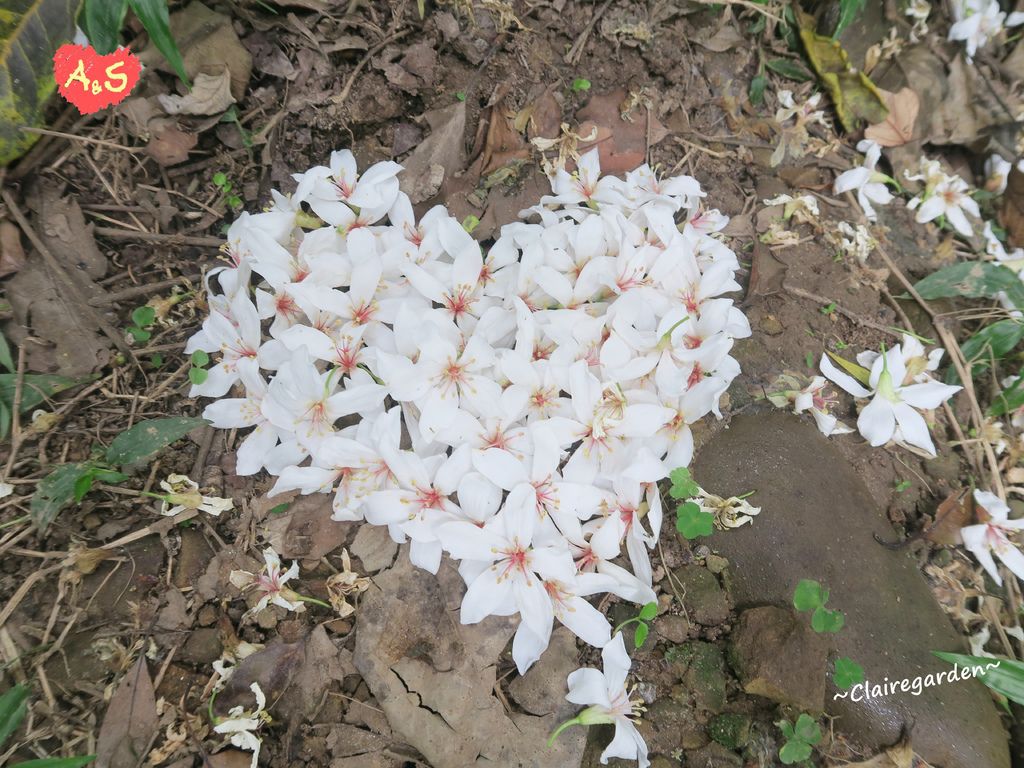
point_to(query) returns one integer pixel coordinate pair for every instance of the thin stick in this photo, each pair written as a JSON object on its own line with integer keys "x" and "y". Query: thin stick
{"x": 340, "y": 97}
{"x": 16, "y": 437}
{"x": 801, "y": 293}
{"x": 142, "y": 290}
{"x": 573, "y": 56}
{"x": 157, "y": 237}
{"x": 85, "y": 139}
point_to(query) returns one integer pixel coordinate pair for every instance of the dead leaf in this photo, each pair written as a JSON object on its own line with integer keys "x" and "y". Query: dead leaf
{"x": 622, "y": 143}
{"x": 374, "y": 547}
{"x": 900, "y": 755}
{"x": 138, "y": 112}
{"x": 725, "y": 38}
{"x": 440, "y": 154}
{"x": 40, "y": 305}
{"x": 229, "y": 758}
{"x": 955, "y": 511}
{"x": 208, "y": 44}
{"x": 503, "y": 144}
{"x": 130, "y": 722}
{"x": 168, "y": 144}
{"x": 856, "y": 99}
{"x": 435, "y": 678}
{"x": 273, "y": 667}
{"x": 898, "y": 127}
{"x": 1011, "y": 215}
{"x": 210, "y": 95}
{"x": 12, "y": 255}
{"x": 305, "y": 530}
{"x": 319, "y": 665}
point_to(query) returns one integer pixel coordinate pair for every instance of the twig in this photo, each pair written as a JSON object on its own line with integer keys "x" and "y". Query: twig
{"x": 573, "y": 56}
{"x": 141, "y": 290}
{"x": 823, "y": 301}
{"x": 157, "y": 237}
{"x": 69, "y": 285}
{"x": 339, "y": 98}
{"x": 85, "y": 139}
{"x": 16, "y": 437}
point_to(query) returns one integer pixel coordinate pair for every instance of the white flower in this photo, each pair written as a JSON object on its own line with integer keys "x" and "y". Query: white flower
{"x": 992, "y": 537}
{"x": 731, "y": 512}
{"x": 240, "y": 726}
{"x": 815, "y": 399}
{"x": 869, "y": 183}
{"x": 183, "y": 493}
{"x": 891, "y": 414}
{"x": 609, "y": 702}
{"x": 948, "y": 197}
{"x": 856, "y": 241}
{"x": 978, "y": 21}
{"x": 269, "y": 584}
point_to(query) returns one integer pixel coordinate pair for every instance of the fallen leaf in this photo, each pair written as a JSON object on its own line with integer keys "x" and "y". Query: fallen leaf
{"x": 12, "y": 255}
{"x": 1011, "y": 215}
{"x": 138, "y": 112}
{"x": 898, "y": 127}
{"x": 229, "y": 758}
{"x": 725, "y": 38}
{"x": 305, "y": 530}
{"x": 955, "y": 511}
{"x": 168, "y": 144}
{"x": 320, "y": 665}
{"x": 210, "y": 95}
{"x": 273, "y": 667}
{"x": 855, "y": 97}
{"x": 130, "y": 722}
{"x": 438, "y": 156}
{"x": 621, "y": 143}
{"x": 900, "y": 755}
{"x": 42, "y": 307}
{"x": 503, "y": 143}
{"x": 208, "y": 44}
{"x": 435, "y": 678}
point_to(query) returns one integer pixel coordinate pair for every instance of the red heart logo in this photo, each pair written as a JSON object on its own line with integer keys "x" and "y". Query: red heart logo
{"x": 92, "y": 82}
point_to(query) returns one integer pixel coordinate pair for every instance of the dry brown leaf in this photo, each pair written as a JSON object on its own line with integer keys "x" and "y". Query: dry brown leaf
{"x": 956, "y": 511}
{"x": 130, "y": 722}
{"x": 622, "y": 144}
{"x": 168, "y": 144}
{"x": 503, "y": 143}
{"x": 898, "y": 127}
{"x": 12, "y": 255}
{"x": 725, "y": 38}
{"x": 1011, "y": 216}
{"x": 438, "y": 156}
{"x": 900, "y": 755}
{"x": 210, "y": 95}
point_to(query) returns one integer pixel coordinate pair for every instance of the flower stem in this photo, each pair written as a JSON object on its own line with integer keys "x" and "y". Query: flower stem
{"x": 562, "y": 727}
{"x": 305, "y": 599}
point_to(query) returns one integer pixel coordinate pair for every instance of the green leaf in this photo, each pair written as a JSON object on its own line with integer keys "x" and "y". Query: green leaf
{"x": 31, "y": 31}
{"x": 859, "y": 372}
{"x": 5, "y": 419}
{"x": 825, "y": 620}
{"x": 807, "y": 595}
{"x": 103, "y": 22}
{"x": 56, "y": 491}
{"x": 5, "y": 355}
{"x": 757, "y": 86}
{"x": 789, "y": 69}
{"x": 57, "y": 762}
{"x": 13, "y": 706}
{"x": 794, "y": 752}
{"x": 788, "y": 733}
{"x": 991, "y": 342}
{"x": 683, "y": 484}
{"x": 200, "y": 359}
{"x": 807, "y": 729}
{"x": 220, "y": 178}
{"x": 279, "y": 508}
{"x": 848, "y": 11}
{"x": 580, "y": 84}
{"x": 1006, "y": 679}
{"x": 847, "y": 673}
{"x": 143, "y": 316}
{"x": 692, "y": 521}
{"x": 198, "y": 375}
{"x": 640, "y": 634}
{"x": 83, "y": 485}
{"x": 1009, "y": 399}
{"x": 148, "y": 437}
{"x": 649, "y": 611}
{"x": 155, "y": 18}
{"x": 973, "y": 280}
{"x": 35, "y": 388}
{"x": 139, "y": 334}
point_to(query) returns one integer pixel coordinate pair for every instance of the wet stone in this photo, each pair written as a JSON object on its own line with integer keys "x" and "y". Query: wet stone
{"x": 818, "y": 520}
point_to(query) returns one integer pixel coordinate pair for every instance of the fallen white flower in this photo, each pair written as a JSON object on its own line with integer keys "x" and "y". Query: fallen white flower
{"x": 240, "y": 725}
{"x": 992, "y": 537}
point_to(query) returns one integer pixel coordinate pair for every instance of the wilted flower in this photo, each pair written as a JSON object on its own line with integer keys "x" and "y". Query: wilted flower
{"x": 183, "y": 493}
{"x": 991, "y": 536}
{"x": 341, "y": 585}
{"x": 803, "y": 207}
{"x": 731, "y": 512}
{"x": 240, "y": 725}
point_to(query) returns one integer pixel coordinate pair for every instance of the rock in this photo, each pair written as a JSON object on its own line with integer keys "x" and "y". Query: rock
{"x": 669, "y": 725}
{"x": 541, "y": 690}
{"x": 203, "y": 646}
{"x": 714, "y": 755}
{"x": 704, "y": 599}
{"x": 701, "y": 669}
{"x": 731, "y": 730}
{"x": 374, "y": 547}
{"x": 675, "y": 629}
{"x": 777, "y": 655}
{"x": 817, "y": 522}
{"x": 193, "y": 559}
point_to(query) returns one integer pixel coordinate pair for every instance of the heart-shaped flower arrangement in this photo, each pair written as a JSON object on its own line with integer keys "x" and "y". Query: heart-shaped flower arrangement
{"x": 515, "y": 409}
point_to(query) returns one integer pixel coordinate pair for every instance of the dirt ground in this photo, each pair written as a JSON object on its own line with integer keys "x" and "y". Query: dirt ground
{"x": 122, "y": 642}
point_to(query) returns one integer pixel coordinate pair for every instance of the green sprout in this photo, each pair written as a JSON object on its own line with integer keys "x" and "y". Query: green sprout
{"x": 647, "y": 612}
{"x": 811, "y": 596}
{"x": 142, "y": 319}
{"x": 198, "y": 373}
{"x": 221, "y": 181}
{"x": 580, "y": 84}
{"x": 691, "y": 520}
{"x": 800, "y": 739}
